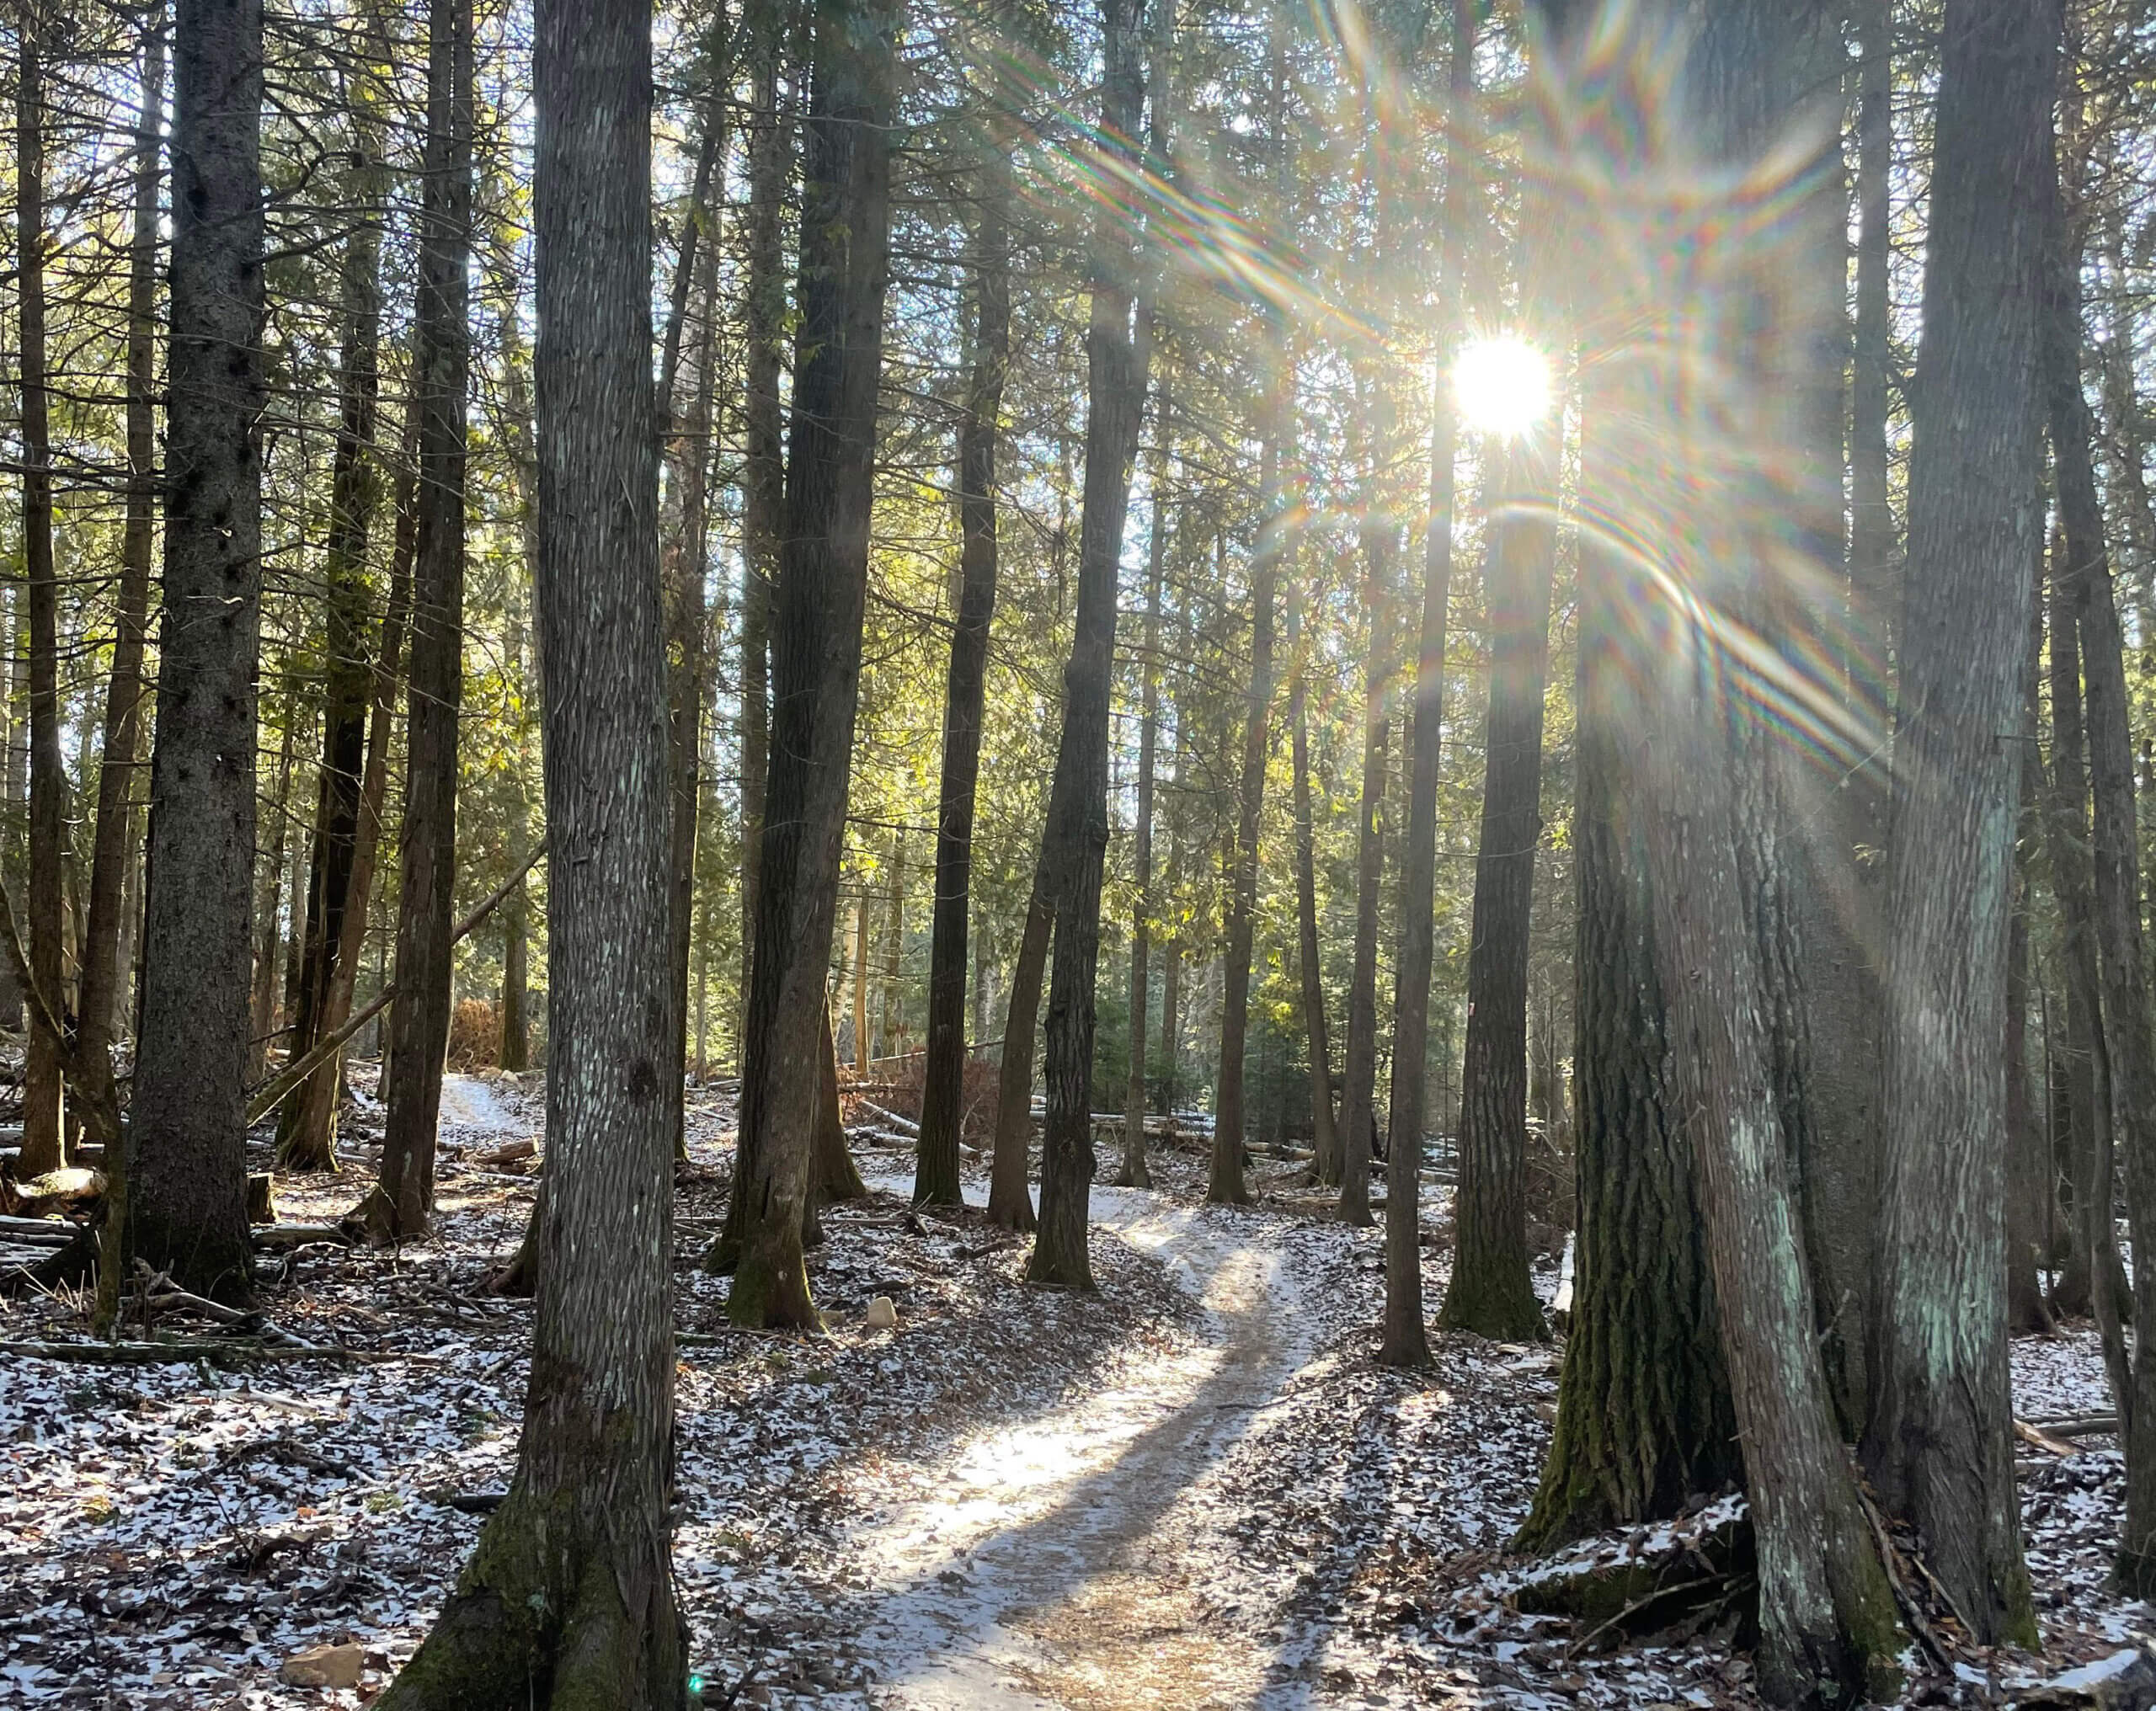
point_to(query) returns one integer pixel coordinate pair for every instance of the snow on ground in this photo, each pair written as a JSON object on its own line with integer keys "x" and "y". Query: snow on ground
{"x": 1194, "y": 1488}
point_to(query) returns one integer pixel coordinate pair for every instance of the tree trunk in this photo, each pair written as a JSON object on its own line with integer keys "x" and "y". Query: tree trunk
{"x": 2028, "y": 1168}
{"x": 1402, "y": 1340}
{"x": 890, "y": 1021}
{"x": 1009, "y": 1207}
{"x": 568, "y": 1600}
{"x": 44, "y": 1125}
{"x": 1134, "y": 1173}
{"x": 767, "y": 28}
{"x": 816, "y": 640}
{"x": 1359, "y": 1102}
{"x": 1324, "y": 1134}
{"x": 1939, "y": 1444}
{"x": 861, "y": 1046}
{"x": 684, "y": 552}
{"x": 262, "y": 1000}
{"x": 2087, "y": 1062}
{"x": 105, "y": 970}
{"x": 1491, "y": 1292}
{"x": 402, "y": 1206}
{"x": 303, "y": 1145}
{"x": 1644, "y": 1415}
{"x": 1075, "y": 840}
{"x": 188, "y": 1164}
{"x": 935, "y": 1170}
{"x": 2131, "y": 1048}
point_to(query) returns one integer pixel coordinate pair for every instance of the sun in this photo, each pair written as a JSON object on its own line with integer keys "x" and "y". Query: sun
{"x": 1501, "y": 384}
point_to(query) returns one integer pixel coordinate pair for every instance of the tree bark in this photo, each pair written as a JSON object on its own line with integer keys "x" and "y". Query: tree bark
{"x": 890, "y": 1012}
{"x": 303, "y": 1142}
{"x": 106, "y": 971}
{"x": 402, "y": 1206}
{"x": 936, "y": 1170}
{"x": 1010, "y": 1206}
{"x": 1324, "y": 1134}
{"x": 188, "y": 1175}
{"x": 767, "y": 28}
{"x": 1644, "y": 1419}
{"x": 1491, "y": 1292}
{"x": 816, "y": 639}
{"x": 1403, "y": 1341}
{"x": 1224, "y": 1183}
{"x": 1939, "y": 1444}
{"x": 43, "y": 1123}
{"x": 1358, "y": 1101}
{"x": 1074, "y": 841}
{"x": 2131, "y": 1046}
{"x": 2028, "y": 1165}
{"x": 568, "y": 1600}
{"x": 1134, "y": 1173}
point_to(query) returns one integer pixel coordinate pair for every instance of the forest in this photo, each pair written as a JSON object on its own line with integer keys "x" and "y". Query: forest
{"x": 991, "y": 853}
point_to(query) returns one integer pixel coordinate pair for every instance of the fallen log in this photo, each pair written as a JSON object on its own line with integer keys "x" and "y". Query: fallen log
{"x": 2080, "y": 1425}
{"x": 38, "y": 1232}
{"x": 218, "y": 1351}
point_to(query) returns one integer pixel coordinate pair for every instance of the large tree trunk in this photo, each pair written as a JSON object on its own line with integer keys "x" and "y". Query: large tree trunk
{"x": 767, "y": 28}
{"x": 1644, "y": 1415}
{"x": 816, "y": 640}
{"x": 188, "y": 1175}
{"x": 1403, "y": 1341}
{"x": 303, "y": 1144}
{"x": 1491, "y": 1292}
{"x": 1939, "y": 1443}
{"x": 568, "y": 1600}
{"x": 936, "y": 1171}
{"x": 2028, "y": 1165}
{"x": 44, "y": 1126}
{"x": 402, "y": 1206}
{"x": 106, "y": 972}
{"x": 1074, "y": 841}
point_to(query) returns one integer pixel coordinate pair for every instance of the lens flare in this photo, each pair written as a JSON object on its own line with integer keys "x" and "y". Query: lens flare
{"x": 1501, "y": 384}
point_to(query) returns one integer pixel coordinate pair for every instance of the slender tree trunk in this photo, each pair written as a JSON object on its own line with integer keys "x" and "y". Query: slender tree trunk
{"x": 1358, "y": 1103}
{"x": 2027, "y": 1164}
{"x": 569, "y": 1598}
{"x": 684, "y": 553}
{"x": 1403, "y": 1341}
{"x": 890, "y": 1016}
{"x": 1074, "y": 841}
{"x": 1134, "y": 1173}
{"x": 862, "y": 1052}
{"x": 43, "y": 1127}
{"x": 1009, "y": 1207}
{"x": 262, "y": 1002}
{"x": 1224, "y": 1183}
{"x": 403, "y": 1205}
{"x": 943, "y": 1110}
{"x": 816, "y": 640}
{"x": 301, "y": 1144}
{"x": 188, "y": 1164}
{"x": 767, "y": 27}
{"x": 105, "y": 968}
{"x": 2087, "y": 1062}
{"x": 1939, "y": 1444}
{"x": 1325, "y": 1161}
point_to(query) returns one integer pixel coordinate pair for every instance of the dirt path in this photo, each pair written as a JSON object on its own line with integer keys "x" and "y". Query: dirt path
{"x": 1052, "y": 1567}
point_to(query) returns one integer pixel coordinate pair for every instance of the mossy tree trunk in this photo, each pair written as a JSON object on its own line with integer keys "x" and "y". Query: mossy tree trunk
{"x": 568, "y": 1599}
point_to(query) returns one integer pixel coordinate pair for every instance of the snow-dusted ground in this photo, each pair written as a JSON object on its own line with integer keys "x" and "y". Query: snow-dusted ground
{"x": 1194, "y": 1488}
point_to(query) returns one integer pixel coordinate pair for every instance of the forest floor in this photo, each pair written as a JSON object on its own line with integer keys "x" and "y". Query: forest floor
{"x": 1194, "y": 1488}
